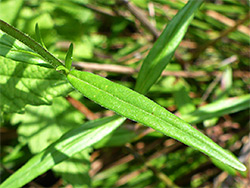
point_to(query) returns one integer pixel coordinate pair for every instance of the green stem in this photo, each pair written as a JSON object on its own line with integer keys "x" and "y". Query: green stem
{"x": 10, "y": 30}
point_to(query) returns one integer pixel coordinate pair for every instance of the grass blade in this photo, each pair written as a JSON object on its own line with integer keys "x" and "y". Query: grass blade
{"x": 164, "y": 48}
{"x": 218, "y": 108}
{"x": 137, "y": 107}
{"x": 69, "y": 144}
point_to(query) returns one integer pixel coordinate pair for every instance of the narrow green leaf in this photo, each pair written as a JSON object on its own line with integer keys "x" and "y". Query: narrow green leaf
{"x": 137, "y": 107}
{"x": 15, "y": 50}
{"x": 68, "y": 58}
{"x": 119, "y": 137}
{"x": 31, "y": 43}
{"x": 69, "y": 144}
{"x": 164, "y": 48}
{"x": 224, "y": 167}
{"x": 39, "y": 36}
{"x": 228, "y": 169}
{"x": 218, "y": 108}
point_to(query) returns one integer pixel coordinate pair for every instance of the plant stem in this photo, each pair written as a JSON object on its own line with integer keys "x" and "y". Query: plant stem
{"x": 141, "y": 17}
{"x": 10, "y": 30}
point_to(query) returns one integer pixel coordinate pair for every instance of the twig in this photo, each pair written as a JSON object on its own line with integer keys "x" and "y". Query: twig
{"x": 96, "y": 9}
{"x": 82, "y": 108}
{"x": 145, "y": 22}
{"x": 141, "y": 17}
{"x": 227, "y": 21}
{"x": 136, "y": 53}
{"x": 218, "y": 77}
{"x": 104, "y": 67}
{"x": 161, "y": 176}
{"x": 128, "y": 70}
{"x": 223, "y": 34}
{"x": 211, "y": 87}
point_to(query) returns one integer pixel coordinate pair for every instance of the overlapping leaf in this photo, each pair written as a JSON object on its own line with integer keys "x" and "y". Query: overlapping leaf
{"x": 10, "y": 14}
{"x": 68, "y": 145}
{"x": 137, "y": 107}
{"x": 164, "y": 48}
{"x": 42, "y": 125}
{"x": 124, "y": 102}
{"x": 23, "y": 84}
{"x": 15, "y": 50}
{"x": 75, "y": 170}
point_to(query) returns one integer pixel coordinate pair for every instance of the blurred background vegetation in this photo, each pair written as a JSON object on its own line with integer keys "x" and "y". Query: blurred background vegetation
{"x": 111, "y": 38}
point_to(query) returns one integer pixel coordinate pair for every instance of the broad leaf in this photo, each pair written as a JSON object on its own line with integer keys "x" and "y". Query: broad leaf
{"x": 15, "y": 50}
{"x": 75, "y": 170}
{"x": 164, "y": 48}
{"x": 137, "y": 107}
{"x": 23, "y": 84}
{"x": 68, "y": 145}
{"x": 42, "y": 125}
{"x": 10, "y": 14}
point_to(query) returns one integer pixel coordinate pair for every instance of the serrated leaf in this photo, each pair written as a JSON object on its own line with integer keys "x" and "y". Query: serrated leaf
{"x": 23, "y": 84}
{"x": 164, "y": 48}
{"x": 137, "y": 107}
{"x": 68, "y": 58}
{"x": 43, "y": 125}
{"x": 15, "y": 50}
{"x": 68, "y": 145}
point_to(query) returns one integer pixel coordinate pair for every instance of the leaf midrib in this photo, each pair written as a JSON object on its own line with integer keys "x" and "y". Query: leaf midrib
{"x": 152, "y": 115}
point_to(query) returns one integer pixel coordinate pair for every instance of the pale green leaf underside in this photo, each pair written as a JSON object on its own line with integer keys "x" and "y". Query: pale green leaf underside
{"x": 164, "y": 48}
{"x": 137, "y": 107}
{"x": 68, "y": 145}
{"x": 23, "y": 84}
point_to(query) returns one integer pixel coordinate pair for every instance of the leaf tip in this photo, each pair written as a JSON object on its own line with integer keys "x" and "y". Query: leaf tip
{"x": 38, "y": 35}
{"x": 241, "y": 167}
{"x": 68, "y": 58}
